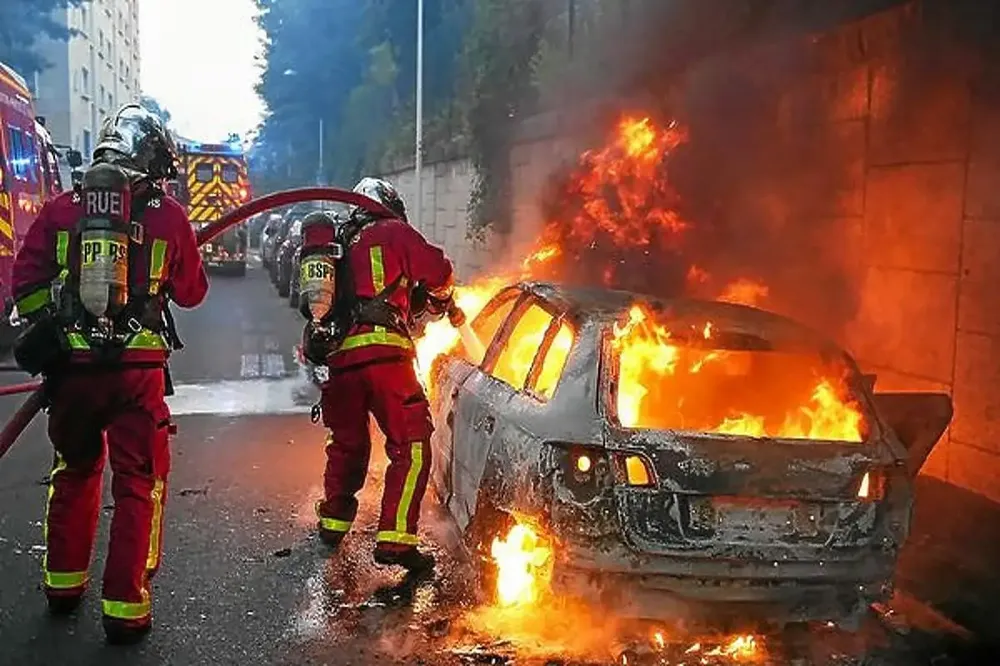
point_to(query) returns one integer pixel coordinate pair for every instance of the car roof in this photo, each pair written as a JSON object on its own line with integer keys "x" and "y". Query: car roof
{"x": 605, "y": 306}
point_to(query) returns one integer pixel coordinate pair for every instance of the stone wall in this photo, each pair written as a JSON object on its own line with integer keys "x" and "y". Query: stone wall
{"x": 444, "y": 221}
{"x": 929, "y": 238}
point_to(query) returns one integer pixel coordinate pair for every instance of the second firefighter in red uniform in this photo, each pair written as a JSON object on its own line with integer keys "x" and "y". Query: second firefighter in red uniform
{"x": 119, "y": 240}
{"x": 372, "y": 372}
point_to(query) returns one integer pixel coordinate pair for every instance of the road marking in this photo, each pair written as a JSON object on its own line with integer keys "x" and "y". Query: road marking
{"x": 253, "y": 366}
{"x": 290, "y": 395}
{"x": 250, "y": 366}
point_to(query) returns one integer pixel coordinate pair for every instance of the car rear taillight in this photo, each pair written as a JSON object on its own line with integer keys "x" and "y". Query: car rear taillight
{"x": 638, "y": 470}
{"x": 588, "y": 468}
{"x": 871, "y": 487}
{"x": 584, "y": 470}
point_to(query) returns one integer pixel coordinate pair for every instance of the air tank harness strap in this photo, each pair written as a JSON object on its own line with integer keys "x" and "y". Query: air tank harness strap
{"x": 378, "y": 311}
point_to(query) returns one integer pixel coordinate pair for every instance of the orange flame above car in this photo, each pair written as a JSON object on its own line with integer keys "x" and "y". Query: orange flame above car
{"x": 668, "y": 383}
{"x": 620, "y": 192}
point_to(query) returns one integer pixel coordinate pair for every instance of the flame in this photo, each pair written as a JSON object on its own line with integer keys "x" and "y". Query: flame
{"x": 540, "y": 256}
{"x": 440, "y": 337}
{"x": 618, "y": 190}
{"x": 618, "y": 194}
{"x": 739, "y": 648}
{"x": 670, "y": 383}
{"x": 744, "y": 292}
{"x": 521, "y": 561}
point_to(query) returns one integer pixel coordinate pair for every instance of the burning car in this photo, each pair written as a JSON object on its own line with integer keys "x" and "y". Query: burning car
{"x": 686, "y": 458}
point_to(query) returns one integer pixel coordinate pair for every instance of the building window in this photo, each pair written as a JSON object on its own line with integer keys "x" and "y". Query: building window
{"x": 83, "y": 17}
{"x": 86, "y": 144}
{"x": 85, "y": 79}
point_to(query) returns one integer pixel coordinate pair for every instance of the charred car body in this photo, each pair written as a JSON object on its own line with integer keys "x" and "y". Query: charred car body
{"x": 662, "y": 517}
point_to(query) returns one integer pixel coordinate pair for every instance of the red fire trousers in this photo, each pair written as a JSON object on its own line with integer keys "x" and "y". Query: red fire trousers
{"x": 126, "y": 409}
{"x": 388, "y": 389}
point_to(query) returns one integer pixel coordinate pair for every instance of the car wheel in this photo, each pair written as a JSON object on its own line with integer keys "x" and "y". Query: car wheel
{"x": 283, "y": 288}
{"x": 487, "y": 524}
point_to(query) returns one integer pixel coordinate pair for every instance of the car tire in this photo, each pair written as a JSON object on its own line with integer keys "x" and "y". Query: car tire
{"x": 487, "y": 523}
{"x": 284, "y": 288}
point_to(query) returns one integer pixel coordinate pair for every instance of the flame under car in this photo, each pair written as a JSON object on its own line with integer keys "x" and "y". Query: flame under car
{"x": 688, "y": 458}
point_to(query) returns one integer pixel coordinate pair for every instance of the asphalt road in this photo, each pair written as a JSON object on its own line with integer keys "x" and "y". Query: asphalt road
{"x": 244, "y": 578}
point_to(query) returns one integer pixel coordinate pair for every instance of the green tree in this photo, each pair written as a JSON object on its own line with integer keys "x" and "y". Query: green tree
{"x": 22, "y": 22}
{"x": 351, "y": 63}
{"x": 153, "y": 106}
{"x": 499, "y": 51}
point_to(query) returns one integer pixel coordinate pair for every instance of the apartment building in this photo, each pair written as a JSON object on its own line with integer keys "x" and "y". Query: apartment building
{"x": 91, "y": 74}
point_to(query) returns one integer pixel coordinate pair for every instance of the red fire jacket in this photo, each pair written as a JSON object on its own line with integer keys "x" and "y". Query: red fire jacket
{"x": 174, "y": 266}
{"x": 387, "y": 250}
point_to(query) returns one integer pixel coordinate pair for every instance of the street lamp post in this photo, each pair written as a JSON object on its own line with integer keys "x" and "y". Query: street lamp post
{"x": 319, "y": 168}
{"x": 319, "y": 174}
{"x": 419, "y": 158}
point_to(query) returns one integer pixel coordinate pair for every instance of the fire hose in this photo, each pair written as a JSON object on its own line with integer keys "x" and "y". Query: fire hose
{"x": 27, "y": 411}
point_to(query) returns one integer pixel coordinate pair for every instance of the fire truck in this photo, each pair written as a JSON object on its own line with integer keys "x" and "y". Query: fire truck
{"x": 29, "y": 176}
{"x": 212, "y": 180}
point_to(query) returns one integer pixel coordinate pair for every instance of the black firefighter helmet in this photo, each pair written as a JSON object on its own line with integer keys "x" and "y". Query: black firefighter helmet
{"x": 384, "y": 193}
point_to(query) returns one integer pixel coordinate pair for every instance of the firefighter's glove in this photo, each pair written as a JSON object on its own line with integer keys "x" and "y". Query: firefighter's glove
{"x": 41, "y": 347}
{"x": 418, "y": 300}
{"x": 438, "y": 307}
{"x": 456, "y": 316}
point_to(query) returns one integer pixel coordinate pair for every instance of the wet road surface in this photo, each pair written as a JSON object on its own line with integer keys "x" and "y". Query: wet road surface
{"x": 246, "y": 581}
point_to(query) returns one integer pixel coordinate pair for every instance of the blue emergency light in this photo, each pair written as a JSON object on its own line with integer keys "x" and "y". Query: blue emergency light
{"x": 216, "y": 148}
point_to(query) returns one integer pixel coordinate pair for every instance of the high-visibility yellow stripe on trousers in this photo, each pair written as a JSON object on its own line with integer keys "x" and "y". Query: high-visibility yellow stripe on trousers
{"x": 402, "y": 534}
{"x": 132, "y": 610}
{"x": 58, "y": 580}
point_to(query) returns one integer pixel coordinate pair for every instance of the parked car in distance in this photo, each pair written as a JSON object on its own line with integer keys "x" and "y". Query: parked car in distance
{"x": 746, "y": 467}
{"x": 267, "y": 239}
{"x": 283, "y": 259}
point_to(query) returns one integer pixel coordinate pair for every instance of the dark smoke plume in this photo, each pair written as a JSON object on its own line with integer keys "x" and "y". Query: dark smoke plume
{"x": 775, "y": 98}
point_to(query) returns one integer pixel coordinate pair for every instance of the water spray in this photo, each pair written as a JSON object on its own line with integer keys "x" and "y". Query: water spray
{"x": 473, "y": 345}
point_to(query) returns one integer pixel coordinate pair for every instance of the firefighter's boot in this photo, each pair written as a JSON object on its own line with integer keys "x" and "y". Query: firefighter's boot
{"x": 411, "y": 559}
{"x": 125, "y": 632}
{"x": 60, "y": 605}
{"x": 331, "y": 530}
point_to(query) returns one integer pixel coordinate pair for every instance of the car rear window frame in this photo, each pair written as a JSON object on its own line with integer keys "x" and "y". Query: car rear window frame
{"x": 234, "y": 169}
{"x": 200, "y": 169}
{"x": 609, "y": 369}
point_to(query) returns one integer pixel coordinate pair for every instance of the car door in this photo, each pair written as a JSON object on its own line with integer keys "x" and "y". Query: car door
{"x": 509, "y": 385}
{"x": 461, "y": 408}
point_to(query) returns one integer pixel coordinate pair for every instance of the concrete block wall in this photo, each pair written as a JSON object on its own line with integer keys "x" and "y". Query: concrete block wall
{"x": 444, "y": 221}
{"x": 929, "y": 244}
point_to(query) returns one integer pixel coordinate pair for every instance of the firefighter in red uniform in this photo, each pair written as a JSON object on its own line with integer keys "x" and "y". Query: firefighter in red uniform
{"x": 386, "y": 264}
{"x": 92, "y": 280}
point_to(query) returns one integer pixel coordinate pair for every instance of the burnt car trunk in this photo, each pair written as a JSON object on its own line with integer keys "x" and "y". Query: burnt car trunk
{"x": 749, "y": 498}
